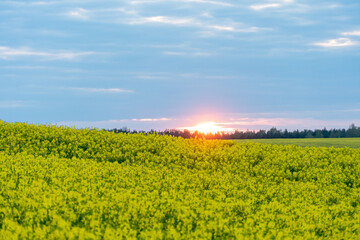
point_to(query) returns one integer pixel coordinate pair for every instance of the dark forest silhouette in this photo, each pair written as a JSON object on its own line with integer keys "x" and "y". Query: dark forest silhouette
{"x": 352, "y": 131}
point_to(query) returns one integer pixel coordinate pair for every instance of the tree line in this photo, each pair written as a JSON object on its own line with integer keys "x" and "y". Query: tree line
{"x": 352, "y": 131}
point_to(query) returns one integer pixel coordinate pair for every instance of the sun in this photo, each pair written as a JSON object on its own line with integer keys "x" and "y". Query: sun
{"x": 209, "y": 127}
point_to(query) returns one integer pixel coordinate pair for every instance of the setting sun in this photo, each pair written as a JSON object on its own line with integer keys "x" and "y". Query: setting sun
{"x": 209, "y": 127}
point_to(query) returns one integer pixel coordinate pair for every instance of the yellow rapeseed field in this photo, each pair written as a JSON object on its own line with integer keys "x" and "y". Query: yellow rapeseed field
{"x": 65, "y": 183}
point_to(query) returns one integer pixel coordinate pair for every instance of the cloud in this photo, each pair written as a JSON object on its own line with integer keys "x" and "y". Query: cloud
{"x": 153, "y": 76}
{"x": 99, "y": 14}
{"x": 225, "y": 4}
{"x": 282, "y": 123}
{"x": 351, "y": 110}
{"x": 8, "y": 52}
{"x": 193, "y": 22}
{"x": 191, "y": 54}
{"x": 264, "y": 121}
{"x": 172, "y": 76}
{"x": 223, "y": 28}
{"x": 51, "y": 32}
{"x": 285, "y": 6}
{"x": 166, "y": 45}
{"x": 13, "y": 104}
{"x": 353, "y": 33}
{"x": 102, "y": 90}
{"x": 25, "y": 67}
{"x": 219, "y": 3}
{"x": 258, "y": 7}
{"x": 334, "y": 5}
{"x": 135, "y": 123}
{"x": 339, "y": 42}
{"x": 175, "y": 53}
{"x": 28, "y": 3}
{"x": 78, "y": 13}
{"x": 164, "y": 20}
{"x": 131, "y": 17}
{"x": 150, "y": 119}
{"x": 237, "y": 29}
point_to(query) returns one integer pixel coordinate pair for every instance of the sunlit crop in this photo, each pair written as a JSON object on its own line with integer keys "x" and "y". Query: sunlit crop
{"x": 64, "y": 183}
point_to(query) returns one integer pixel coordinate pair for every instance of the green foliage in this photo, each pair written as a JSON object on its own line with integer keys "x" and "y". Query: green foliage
{"x": 314, "y": 142}
{"x": 63, "y": 183}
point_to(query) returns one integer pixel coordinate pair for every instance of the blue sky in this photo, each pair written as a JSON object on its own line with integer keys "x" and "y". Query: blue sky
{"x": 156, "y": 64}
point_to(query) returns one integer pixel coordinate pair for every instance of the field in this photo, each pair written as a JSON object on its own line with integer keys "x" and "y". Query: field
{"x": 312, "y": 142}
{"x": 64, "y": 183}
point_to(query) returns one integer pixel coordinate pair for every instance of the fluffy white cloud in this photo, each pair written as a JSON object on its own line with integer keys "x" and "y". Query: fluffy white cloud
{"x": 339, "y": 42}
{"x": 223, "y": 28}
{"x": 164, "y": 20}
{"x": 274, "y": 4}
{"x": 8, "y": 52}
{"x": 353, "y": 33}
{"x": 264, "y": 6}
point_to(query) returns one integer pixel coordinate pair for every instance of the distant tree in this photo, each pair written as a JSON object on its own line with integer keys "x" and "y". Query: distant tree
{"x": 296, "y": 134}
{"x": 309, "y": 135}
{"x": 274, "y": 133}
{"x": 261, "y": 134}
{"x": 325, "y": 133}
{"x": 318, "y": 134}
{"x": 186, "y": 134}
{"x": 335, "y": 133}
{"x": 353, "y": 131}
{"x": 286, "y": 133}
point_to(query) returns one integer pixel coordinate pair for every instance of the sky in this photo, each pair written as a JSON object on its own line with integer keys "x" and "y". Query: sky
{"x": 160, "y": 64}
